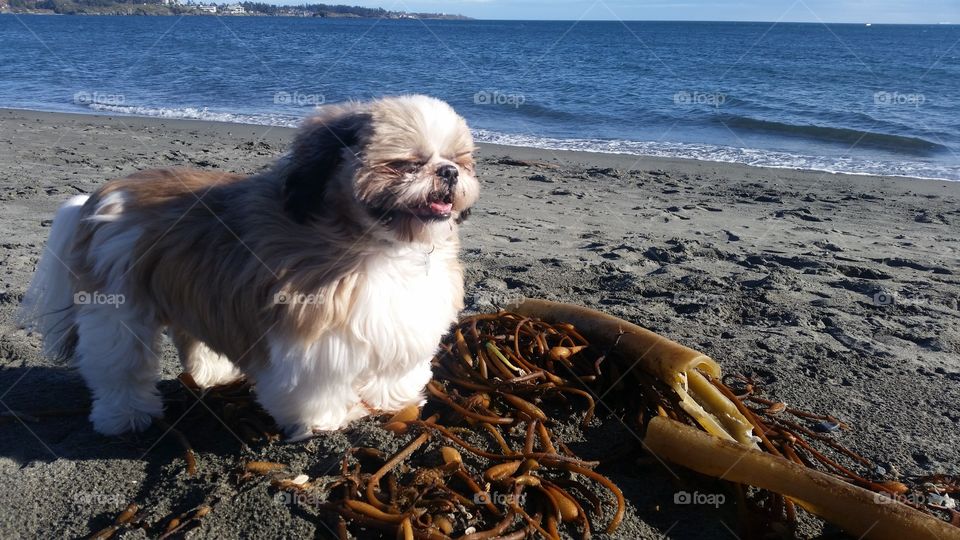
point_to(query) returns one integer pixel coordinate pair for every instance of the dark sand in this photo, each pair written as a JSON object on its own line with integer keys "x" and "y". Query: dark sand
{"x": 839, "y": 292}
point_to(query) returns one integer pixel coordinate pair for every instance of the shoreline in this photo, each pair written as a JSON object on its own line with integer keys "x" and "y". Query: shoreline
{"x": 498, "y": 147}
{"x": 838, "y": 294}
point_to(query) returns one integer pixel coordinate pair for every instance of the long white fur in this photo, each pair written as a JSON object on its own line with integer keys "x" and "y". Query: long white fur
{"x": 209, "y": 368}
{"x": 379, "y": 360}
{"x": 47, "y": 306}
{"x": 116, "y": 346}
{"x": 115, "y": 351}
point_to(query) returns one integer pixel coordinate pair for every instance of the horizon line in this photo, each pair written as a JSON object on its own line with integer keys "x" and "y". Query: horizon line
{"x": 948, "y": 23}
{"x": 466, "y": 18}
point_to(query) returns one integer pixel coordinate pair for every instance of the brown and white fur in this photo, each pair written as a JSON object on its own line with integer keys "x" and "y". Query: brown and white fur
{"x": 328, "y": 280}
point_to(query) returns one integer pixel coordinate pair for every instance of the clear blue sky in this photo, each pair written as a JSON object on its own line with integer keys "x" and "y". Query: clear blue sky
{"x": 858, "y": 11}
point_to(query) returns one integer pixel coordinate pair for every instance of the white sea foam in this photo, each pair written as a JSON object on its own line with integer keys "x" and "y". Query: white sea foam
{"x": 198, "y": 113}
{"x": 729, "y": 154}
{"x": 703, "y": 152}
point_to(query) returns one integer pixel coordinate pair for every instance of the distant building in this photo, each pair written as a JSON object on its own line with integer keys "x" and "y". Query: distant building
{"x": 207, "y": 9}
{"x": 233, "y": 9}
{"x": 172, "y": 2}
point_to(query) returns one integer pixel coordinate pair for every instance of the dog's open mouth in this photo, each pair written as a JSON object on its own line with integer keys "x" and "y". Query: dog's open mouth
{"x": 438, "y": 206}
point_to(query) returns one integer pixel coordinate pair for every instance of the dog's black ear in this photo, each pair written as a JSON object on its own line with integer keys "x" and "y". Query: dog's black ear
{"x": 318, "y": 152}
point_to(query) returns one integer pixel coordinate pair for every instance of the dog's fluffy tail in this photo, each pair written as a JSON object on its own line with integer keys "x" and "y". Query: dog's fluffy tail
{"x": 48, "y": 306}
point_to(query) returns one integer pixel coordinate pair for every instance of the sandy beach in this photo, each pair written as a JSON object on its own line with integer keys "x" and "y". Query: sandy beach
{"x": 840, "y": 293}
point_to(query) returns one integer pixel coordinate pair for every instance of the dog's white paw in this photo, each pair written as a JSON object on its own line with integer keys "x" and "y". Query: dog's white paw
{"x": 327, "y": 422}
{"x": 109, "y": 419}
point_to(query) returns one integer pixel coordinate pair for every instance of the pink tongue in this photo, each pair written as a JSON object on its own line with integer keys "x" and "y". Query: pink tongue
{"x": 441, "y": 207}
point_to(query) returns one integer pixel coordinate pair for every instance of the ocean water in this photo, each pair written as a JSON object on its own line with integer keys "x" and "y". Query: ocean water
{"x": 846, "y": 98}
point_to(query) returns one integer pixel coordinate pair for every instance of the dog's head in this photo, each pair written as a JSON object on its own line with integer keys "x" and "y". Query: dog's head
{"x": 404, "y": 164}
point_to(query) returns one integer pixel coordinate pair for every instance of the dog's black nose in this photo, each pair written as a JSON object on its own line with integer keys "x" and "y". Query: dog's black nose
{"x": 449, "y": 173}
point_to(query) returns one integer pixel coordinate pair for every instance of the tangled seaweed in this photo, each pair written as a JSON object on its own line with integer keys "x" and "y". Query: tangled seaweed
{"x": 495, "y": 375}
{"x": 481, "y": 460}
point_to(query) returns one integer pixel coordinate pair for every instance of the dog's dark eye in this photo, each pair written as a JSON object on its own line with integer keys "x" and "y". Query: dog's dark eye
{"x": 405, "y": 166}
{"x": 465, "y": 161}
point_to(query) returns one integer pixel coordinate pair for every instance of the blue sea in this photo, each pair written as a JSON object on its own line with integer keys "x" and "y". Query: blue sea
{"x": 846, "y": 98}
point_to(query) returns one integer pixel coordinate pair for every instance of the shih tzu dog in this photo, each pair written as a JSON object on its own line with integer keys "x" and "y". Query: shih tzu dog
{"x": 327, "y": 281}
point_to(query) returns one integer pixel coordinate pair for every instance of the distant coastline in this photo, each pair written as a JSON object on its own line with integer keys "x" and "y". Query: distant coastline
{"x": 191, "y": 7}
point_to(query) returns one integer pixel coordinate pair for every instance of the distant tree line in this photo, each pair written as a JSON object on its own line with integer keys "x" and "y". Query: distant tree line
{"x": 119, "y": 7}
{"x": 158, "y": 7}
{"x": 317, "y": 9}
